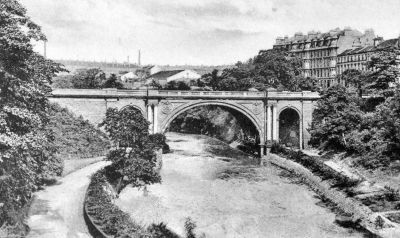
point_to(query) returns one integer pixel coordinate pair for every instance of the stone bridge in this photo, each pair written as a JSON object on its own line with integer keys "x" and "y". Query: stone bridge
{"x": 271, "y": 112}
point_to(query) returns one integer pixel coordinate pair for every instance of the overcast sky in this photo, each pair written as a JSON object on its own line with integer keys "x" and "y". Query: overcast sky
{"x": 206, "y": 32}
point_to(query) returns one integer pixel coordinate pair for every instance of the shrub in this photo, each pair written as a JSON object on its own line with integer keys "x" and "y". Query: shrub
{"x": 159, "y": 141}
{"x": 107, "y": 216}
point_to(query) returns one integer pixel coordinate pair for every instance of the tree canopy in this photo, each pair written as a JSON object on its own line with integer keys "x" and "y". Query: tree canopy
{"x": 368, "y": 127}
{"x": 26, "y": 149}
{"x": 134, "y": 160}
{"x": 89, "y": 78}
{"x": 271, "y": 68}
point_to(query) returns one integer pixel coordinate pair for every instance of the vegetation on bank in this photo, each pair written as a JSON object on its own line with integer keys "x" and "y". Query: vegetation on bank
{"x": 368, "y": 128}
{"x": 27, "y": 151}
{"x": 74, "y": 137}
{"x": 93, "y": 78}
{"x": 134, "y": 162}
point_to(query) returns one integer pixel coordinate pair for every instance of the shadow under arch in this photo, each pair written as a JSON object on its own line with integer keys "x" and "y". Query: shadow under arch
{"x": 290, "y": 127}
{"x": 234, "y": 106}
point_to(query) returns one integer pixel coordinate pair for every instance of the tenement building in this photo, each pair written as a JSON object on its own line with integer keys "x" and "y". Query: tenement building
{"x": 357, "y": 58}
{"x": 319, "y": 51}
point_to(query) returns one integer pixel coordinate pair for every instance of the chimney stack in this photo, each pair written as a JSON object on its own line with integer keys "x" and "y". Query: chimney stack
{"x": 377, "y": 40}
{"x": 139, "y": 58}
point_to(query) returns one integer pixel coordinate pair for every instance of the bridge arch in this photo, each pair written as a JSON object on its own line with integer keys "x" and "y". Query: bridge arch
{"x": 232, "y": 105}
{"x": 290, "y": 126}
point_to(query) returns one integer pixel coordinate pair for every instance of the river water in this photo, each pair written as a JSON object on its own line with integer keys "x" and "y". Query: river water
{"x": 227, "y": 195}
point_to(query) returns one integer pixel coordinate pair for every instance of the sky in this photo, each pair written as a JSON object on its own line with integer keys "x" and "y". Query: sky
{"x": 207, "y": 32}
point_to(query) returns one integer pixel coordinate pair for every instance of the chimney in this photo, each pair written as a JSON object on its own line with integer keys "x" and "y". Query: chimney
{"x": 139, "y": 58}
{"x": 398, "y": 42}
{"x": 377, "y": 40}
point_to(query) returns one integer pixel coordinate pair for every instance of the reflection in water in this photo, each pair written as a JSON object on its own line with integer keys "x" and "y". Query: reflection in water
{"x": 227, "y": 198}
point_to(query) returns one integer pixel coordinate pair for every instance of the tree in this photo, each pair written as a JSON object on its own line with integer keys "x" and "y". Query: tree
{"x": 337, "y": 113}
{"x": 112, "y": 82}
{"x": 154, "y": 84}
{"x": 88, "y": 78}
{"x": 272, "y": 68}
{"x": 354, "y": 78}
{"x": 177, "y": 85}
{"x": 26, "y": 149}
{"x": 134, "y": 161}
{"x": 384, "y": 67}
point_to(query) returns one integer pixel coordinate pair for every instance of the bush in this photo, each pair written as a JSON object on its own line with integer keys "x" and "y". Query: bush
{"x": 105, "y": 214}
{"x": 74, "y": 136}
{"x": 109, "y": 219}
{"x": 159, "y": 141}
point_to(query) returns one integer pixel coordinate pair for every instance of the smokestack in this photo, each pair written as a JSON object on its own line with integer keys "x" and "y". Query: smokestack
{"x": 139, "y": 58}
{"x": 45, "y": 48}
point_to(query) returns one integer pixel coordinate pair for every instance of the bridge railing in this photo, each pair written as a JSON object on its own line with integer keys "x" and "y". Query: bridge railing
{"x": 218, "y": 94}
{"x": 184, "y": 94}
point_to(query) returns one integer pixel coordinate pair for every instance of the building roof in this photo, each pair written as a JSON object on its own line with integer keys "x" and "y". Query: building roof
{"x": 312, "y": 35}
{"x": 358, "y": 50}
{"x": 389, "y": 43}
{"x": 166, "y": 73}
{"x": 130, "y": 75}
{"x": 385, "y": 44}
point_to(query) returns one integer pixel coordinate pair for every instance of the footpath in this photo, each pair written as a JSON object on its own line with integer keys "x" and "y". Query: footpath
{"x": 57, "y": 211}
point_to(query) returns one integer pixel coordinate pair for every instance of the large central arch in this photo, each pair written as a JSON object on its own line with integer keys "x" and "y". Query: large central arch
{"x": 232, "y": 105}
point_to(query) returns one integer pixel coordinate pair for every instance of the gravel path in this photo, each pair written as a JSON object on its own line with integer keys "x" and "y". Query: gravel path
{"x": 57, "y": 211}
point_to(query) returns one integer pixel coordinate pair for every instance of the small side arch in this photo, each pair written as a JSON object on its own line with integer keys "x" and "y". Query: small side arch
{"x": 290, "y": 127}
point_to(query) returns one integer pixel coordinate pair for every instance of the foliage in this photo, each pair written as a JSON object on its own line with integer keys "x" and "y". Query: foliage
{"x": 384, "y": 71}
{"x": 221, "y": 123}
{"x": 127, "y": 127}
{"x": 174, "y": 85}
{"x": 112, "y": 82}
{"x": 74, "y": 136}
{"x": 110, "y": 219}
{"x": 154, "y": 84}
{"x": 26, "y": 149}
{"x": 159, "y": 141}
{"x": 271, "y": 68}
{"x": 62, "y": 81}
{"x": 369, "y": 128}
{"x": 88, "y": 78}
{"x": 335, "y": 116}
{"x": 134, "y": 160}
{"x": 190, "y": 226}
{"x": 354, "y": 78}
{"x": 107, "y": 216}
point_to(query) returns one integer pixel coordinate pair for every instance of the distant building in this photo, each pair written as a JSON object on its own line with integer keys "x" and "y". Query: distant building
{"x": 129, "y": 77}
{"x": 164, "y": 77}
{"x": 319, "y": 51}
{"x": 357, "y": 58}
{"x": 152, "y": 69}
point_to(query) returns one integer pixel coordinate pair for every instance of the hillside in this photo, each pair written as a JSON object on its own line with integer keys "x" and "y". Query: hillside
{"x": 75, "y": 137}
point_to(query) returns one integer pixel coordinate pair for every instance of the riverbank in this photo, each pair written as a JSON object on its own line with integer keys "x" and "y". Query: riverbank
{"x": 228, "y": 195}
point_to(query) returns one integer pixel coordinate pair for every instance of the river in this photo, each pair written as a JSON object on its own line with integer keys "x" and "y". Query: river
{"x": 227, "y": 195}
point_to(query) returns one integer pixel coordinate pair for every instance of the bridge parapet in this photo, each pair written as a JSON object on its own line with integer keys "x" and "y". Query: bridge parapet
{"x": 106, "y": 93}
{"x": 207, "y": 94}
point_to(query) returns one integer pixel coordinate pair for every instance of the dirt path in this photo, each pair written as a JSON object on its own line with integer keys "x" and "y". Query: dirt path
{"x": 57, "y": 211}
{"x": 228, "y": 196}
